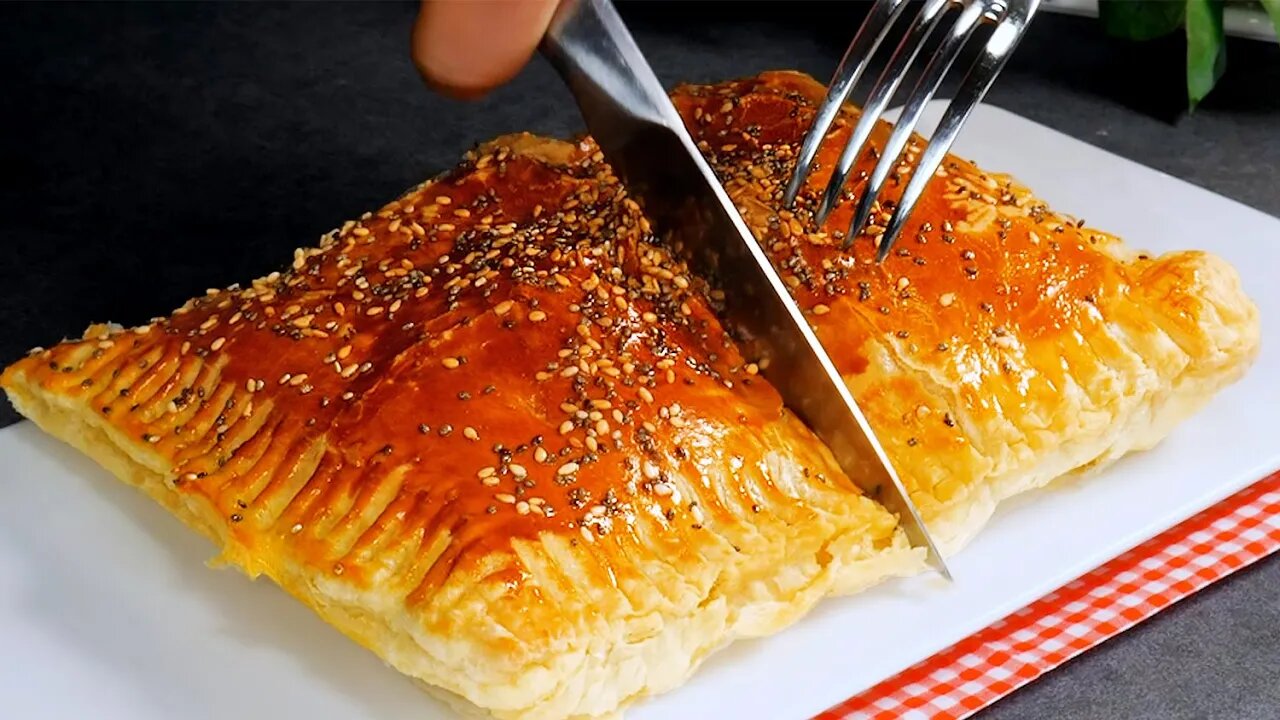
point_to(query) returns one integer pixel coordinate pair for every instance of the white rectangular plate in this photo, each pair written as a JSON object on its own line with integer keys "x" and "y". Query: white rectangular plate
{"x": 107, "y": 611}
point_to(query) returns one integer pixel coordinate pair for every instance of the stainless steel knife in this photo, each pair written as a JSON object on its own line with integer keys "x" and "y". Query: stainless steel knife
{"x": 645, "y": 141}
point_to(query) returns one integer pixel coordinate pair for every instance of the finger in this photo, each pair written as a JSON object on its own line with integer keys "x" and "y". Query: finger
{"x": 465, "y": 48}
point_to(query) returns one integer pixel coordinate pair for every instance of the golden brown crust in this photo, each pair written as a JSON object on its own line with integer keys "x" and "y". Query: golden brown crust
{"x": 1001, "y": 344}
{"x": 494, "y": 433}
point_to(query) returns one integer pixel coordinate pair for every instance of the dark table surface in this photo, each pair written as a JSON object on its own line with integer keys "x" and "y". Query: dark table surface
{"x": 148, "y": 152}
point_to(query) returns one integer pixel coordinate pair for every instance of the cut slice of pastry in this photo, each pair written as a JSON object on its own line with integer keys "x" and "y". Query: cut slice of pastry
{"x": 495, "y": 434}
{"x": 1001, "y": 345}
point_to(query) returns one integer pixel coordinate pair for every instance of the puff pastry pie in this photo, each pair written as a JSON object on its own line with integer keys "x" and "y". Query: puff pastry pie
{"x": 495, "y": 434}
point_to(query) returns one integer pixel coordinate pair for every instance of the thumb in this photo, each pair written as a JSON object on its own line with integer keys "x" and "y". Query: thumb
{"x": 464, "y": 48}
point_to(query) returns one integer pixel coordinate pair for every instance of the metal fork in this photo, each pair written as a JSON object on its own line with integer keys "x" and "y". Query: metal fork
{"x": 1009, "y": 19}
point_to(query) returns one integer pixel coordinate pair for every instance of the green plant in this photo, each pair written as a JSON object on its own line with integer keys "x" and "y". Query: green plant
{"x": 1202, "y": 20}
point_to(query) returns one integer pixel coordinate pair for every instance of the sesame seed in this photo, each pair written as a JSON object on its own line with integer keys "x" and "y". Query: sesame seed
{"x": 507, "y": 498}
{"x": 568, "y": 468}
{"x": 947, "y": 299}
{"x": 450, "y": 362}
{"x": 470, "y": 433}
{"x": 537, "y": 316}
{"x": 821, "y": 309}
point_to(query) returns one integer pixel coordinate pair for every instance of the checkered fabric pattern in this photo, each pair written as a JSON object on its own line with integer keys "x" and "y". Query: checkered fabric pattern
{"x": 1099, "y": 605}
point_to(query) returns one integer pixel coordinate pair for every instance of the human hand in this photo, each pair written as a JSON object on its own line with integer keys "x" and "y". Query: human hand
{"x": 465, "y": 48}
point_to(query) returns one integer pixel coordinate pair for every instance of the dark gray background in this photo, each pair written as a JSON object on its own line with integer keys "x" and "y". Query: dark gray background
{"x": 150, "y": 151}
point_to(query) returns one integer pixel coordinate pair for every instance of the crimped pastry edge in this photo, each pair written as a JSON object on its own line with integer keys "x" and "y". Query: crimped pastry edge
{"x": 400, "y": 647}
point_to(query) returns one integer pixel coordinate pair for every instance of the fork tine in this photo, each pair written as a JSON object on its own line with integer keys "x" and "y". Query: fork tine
{"x": 855, "y": 61}
{"x": 886, "y": 85}
{"x": 977, "y": 81}
{"x": 924, "y": 91}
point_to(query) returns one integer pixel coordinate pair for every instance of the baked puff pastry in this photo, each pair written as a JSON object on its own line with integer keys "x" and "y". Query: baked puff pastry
{"x": 1001, "y": 345}
{"x": 495, "y": 434}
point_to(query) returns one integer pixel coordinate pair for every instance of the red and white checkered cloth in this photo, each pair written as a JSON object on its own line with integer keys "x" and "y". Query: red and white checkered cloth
{"x": 1099, "y": 605}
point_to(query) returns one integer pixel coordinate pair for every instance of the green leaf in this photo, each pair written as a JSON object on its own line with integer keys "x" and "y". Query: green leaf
{"x": 1140, "y": 19}
{"x": 1206, "y": 50}
{"x": 1273, "y": 9}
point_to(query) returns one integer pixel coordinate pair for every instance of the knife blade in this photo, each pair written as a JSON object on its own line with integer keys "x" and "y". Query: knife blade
{"x": 644, "y": 139}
